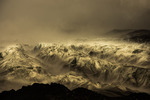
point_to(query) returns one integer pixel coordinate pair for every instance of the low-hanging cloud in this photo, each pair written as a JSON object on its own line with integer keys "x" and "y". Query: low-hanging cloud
{"x": 39, "y": 20}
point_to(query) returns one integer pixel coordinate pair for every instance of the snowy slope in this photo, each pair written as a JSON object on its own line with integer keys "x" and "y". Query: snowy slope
{"x": 111, "y": 68}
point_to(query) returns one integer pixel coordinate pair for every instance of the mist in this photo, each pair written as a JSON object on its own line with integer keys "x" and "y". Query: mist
{"x": 52, "y": 20}
{"x": 43, "y": 29}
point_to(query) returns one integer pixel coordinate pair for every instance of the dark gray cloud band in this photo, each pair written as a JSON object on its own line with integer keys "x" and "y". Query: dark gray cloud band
{"x": 44, "y": 19}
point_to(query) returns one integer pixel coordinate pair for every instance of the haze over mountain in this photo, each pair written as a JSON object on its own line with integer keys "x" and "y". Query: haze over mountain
{"x": 100, "y": 45}
{"x": 111, "y": 67}
{"x": 48, "y": 20}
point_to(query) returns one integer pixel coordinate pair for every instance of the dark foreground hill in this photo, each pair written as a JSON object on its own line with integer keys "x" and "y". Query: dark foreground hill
{"x": 132, "y": 35}
{"x": 60, "y": 92}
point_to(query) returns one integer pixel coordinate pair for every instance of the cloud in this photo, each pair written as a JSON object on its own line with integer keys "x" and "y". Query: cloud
{"x": 50, "y": 19}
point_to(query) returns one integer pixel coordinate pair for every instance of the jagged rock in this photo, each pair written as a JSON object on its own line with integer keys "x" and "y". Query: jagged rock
{"x": 60, "y": 92}
{"x": 1, "y": 56}
{"x": 99, "y": 67}
{"x": 141, "y": 36}
{"x": 137, "y": 51}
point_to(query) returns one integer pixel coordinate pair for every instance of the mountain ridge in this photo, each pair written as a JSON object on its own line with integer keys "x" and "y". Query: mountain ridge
{"x": 102, "y": 66}
{"x": 59, "y": 92}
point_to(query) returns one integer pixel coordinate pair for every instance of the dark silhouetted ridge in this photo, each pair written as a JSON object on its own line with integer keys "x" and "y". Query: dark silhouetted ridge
{"x": 141, "y": 36}
{"x": 60, "y": 92}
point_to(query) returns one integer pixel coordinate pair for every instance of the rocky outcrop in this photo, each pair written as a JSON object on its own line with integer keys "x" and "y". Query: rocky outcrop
{"x": 1, "y": 56}
{"x": 141, "y": 36}
{"x": 60, "y": 92}
{"x": 109, "y": 69}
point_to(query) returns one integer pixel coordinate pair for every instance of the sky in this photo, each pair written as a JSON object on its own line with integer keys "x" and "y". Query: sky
{"x": 44, "y": 20}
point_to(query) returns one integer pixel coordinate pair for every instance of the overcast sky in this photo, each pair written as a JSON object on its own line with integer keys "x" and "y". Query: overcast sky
{"x": 50, "y": 19}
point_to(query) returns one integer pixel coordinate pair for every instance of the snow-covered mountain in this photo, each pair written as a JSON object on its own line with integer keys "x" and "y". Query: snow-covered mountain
{"x": 110, "y": 67}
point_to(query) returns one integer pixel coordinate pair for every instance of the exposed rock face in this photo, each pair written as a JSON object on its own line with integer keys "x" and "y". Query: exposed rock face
{"x": 141, "y": 36}
{"x": 112, "y": 69}
{"x": 137, "y": 51}
{"x": 16, "y": 64}
{"x": 60, "y": 92}
{"x": 1, "y": 55}
{"x": 131, "y": 35}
